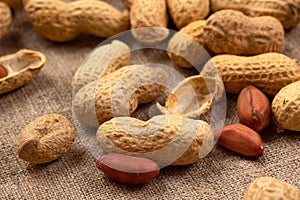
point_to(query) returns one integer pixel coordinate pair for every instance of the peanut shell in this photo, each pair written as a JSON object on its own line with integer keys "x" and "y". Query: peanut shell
{"x": 232, "y": 32}
{"x": 271, "y": 188}
{"x": 268, "y": 72}
{"x": 285, "y": 107}
{"x": 184, "y": 12}
{"x": 22, "y": 67}
{"x": 45, "y": 139}
{"x": 6, "y": 18}
{"x": 164, "y": 139}
{"x": 286, "y": 11}
{"x": 16, "y": 4}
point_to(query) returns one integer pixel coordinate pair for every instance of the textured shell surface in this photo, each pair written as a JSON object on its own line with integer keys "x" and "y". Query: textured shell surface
{"x": 45, "y": 139}
{"x": 22, "y": 66}
{"x": 232, "y": 32}
{"x": 285, "y": 107}
{"x": 269, "y": 72}
{"x": 6, "y": 18}
{"x": 166, "y": 139}
{"x": 271, "y": 188}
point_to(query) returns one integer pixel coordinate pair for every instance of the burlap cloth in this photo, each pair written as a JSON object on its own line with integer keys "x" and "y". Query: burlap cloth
{"x": 221, "y": 175}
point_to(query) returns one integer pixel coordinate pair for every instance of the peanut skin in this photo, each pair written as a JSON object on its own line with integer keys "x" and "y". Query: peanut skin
{"x": 232, "y": 32}
{"x": 253, "y": 108}
{"x": 286, "y": 11}
{"x": 61, "y": 21}
{"x": 128, "y": 169}
{"x": 241, "y": 139}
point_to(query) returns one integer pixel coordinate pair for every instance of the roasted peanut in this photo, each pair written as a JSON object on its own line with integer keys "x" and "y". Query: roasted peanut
{"x": 253, "y": 108}
{"x": 187, "y": 48}
{"x": 61, "y": 21}
{"x": 6, "y": 18}
{"x": 149, "y": 20}
{"x": 285, "y": 107}
{"x": 184, "y": 12}
{"x": 165, "y": 139}
{"x": 286, "y": 11}
{"x": 102, "y": 61}
{"x": 128, "y": 169}
{"x": 22, "y": 67}
{"x": 232, "y": 32}
{"x": 269, "y": 72}
{"x": 3, "y": 71}
{"x": 271, "y": 188}
{"x": 45, "y": 139}
{"x": 241, "y": 139}
{"x": 119, "y": 93}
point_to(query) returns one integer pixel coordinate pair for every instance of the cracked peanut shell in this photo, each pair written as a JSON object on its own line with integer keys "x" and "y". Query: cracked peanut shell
{"x": 22, "y": 67}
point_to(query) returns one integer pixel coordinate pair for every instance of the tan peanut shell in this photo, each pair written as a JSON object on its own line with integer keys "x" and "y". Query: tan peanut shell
{"x": 5, "y": 19}
{"x": 188, "y": 45}
{"x": 149, "y": 21}
{"x": 16, "y": 4}
{"x": 272, "y": 189}
{"x": 102, "y": 61}
{"x": 45, "y": 139}
{"x": 192, "y": 97}
{"x": 164, "y": 139}
{"x": 286, "y": 11}
{"x": 118, "y": 94}
{"x": 286, "y": 107}
{"x": 269, "y": 72}
{"x": 232, "y": 32}
{"x": 184, "y": 12}
{"x": 22, "y": 66}
{"x": 61, "y": 21}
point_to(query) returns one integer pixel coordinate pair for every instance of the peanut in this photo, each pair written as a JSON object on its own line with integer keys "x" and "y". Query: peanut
{"x": 61, "y": 21}
{"x": 6, "y": 18}
{"x": 241, "y": 139}
{"x": 149, "y": 20}
{"x": 286, "y": 11}
{"x": 192, "y": 97}
{"x": 187, "y": 48}
{"x": 102, "y": 61}
{"x": 285, "y": 107}
{"x": 165, "y": 139}
{"x": 3, "y": 71}
{"x": 22, "y": 67}
{"x": 271, "y": 188}
{"x": 232, "y": 32}
{"x": 184, "y": 12}
{"x": 128, "y": 169}
{"x": 253, "y": 108}
{"x": 45, "y": 139}
{"x": 119, "y": 93}
{"x": 269, "y": 72}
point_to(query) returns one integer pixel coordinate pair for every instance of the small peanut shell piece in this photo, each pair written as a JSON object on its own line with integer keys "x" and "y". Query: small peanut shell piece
{"x": 5, "y": 19}
{"x": 61, "y": 21}
{"x": 102, "y": 61}
{"x": 22, "y": 67}
{"x": 192, "y": 97}
{"x": 271, "y": 188}
{"x": 232, "y": 32}
{"x": 184, "y": 12}
{"x": 286, "y": 107}
{"x": 187, "y": 47}
{"x": 268, "y": 72}
{"x": 165, "y": 139}
{"x": 149, "y": 20}
{"x": 45, "y": 139}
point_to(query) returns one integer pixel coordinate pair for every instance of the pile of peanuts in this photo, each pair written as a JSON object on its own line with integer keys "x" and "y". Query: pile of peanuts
{"x": 246, "y": 40}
